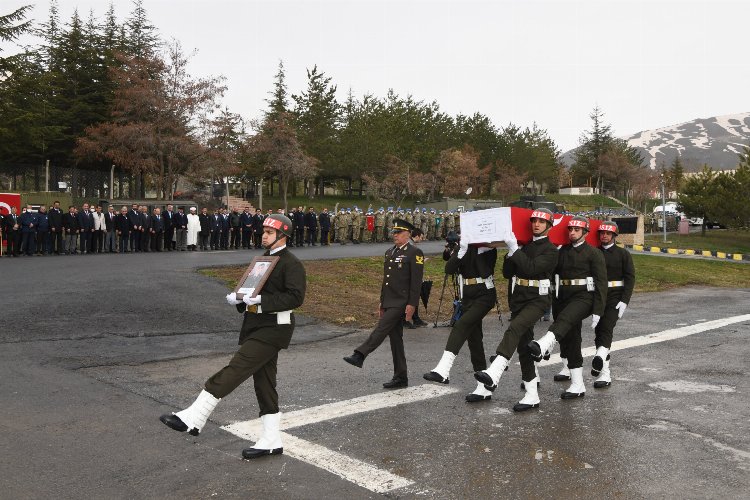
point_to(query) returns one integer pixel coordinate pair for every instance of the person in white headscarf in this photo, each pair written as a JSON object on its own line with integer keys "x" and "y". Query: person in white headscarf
{"x": 193, "y": 228}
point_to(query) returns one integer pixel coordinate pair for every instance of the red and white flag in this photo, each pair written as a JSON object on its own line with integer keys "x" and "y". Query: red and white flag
{"x": 8, "y": 200}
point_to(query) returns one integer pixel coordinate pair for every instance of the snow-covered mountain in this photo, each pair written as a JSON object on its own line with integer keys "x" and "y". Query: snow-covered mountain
{"x": 714, "y": 141}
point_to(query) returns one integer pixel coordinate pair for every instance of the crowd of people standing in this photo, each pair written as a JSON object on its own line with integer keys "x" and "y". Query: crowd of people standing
{"x": 94, "y": 229}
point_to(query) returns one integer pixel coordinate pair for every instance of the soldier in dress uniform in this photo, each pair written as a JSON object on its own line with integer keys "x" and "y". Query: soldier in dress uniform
{"x": 267, "y": 328}
{"x": 620, "y": 283}
{"x": 475, "y": 268}
{"x": 403, "y": 269}
{"x": 529, "y": 271}
{"x": 581, "y": 291}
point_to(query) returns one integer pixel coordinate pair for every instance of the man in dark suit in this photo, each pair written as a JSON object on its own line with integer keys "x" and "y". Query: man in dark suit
{"x": 246, "y": 223}
{"x": 325, "y": 226}
{"x": 267, "y": 328}
{"x": 123, "y": 229}
{"x": 134, "y": 217}
{"x": 157, "y": 231}
{"x": 235, "y": 229}
{"x": 169, "y": 228}
{"x": 110, "y": 238}
{"x": 311, "y": 225}
{"x": 71, "y": 230}
{"x": 42, "y": 232}
{"x": 215, "y": 229}
{"x": 86, "y": 227}
{"x": 180, "y": 227}
{"x": 403, "y": 269}
{"x": 204, "y": 237}
{"x": 55, "y": 228}
{"x": 12, "y": 232}
{"x": 299, "y": 227}
{"x": 224, "y": 229}
{"x": 145, "y": 229}
{"x": 258, "y": 219}
{"x": 29, "y": 221}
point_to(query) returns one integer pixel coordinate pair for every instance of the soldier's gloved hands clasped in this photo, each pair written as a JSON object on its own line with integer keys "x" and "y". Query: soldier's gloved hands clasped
{"x": 232, "y": 299}
{"x": 251, "y": 301}
{"x": 621, "y": 306}
{"x": 463, "y": 247}
{"x": 594, "y": 320}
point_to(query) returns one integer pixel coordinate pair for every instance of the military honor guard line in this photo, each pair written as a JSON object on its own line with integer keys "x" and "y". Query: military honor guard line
{"x": 577, "y": 280}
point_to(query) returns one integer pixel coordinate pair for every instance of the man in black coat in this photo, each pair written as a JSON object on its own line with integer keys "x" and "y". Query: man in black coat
{"x": 267, "y": 328}
{"x": 325, "y": 226}
{"x": 157, "y": 231}
{"x": 55, "y": 228}
{"x": 311, "y": 226}
{"x": 235, "y": 229}
{"x": 12, "y": 232}
{"x": 299, "y": 227}
{"x": 258, "y": 219}
{"x": 123, "y": 229}
{"x": 71, "y": 230}
{"x": 134, "y": 216}
{"x": 169, "y": 245}
{"x": 86, "y": 227}
{"x": 145, "y": 226}
{"x": 246, "y": 226}
{"x": 215, "y": 228}
{"x": 204, "y": 236}
{"x": 403, "y": 269}
{"x": 42, "y": 232}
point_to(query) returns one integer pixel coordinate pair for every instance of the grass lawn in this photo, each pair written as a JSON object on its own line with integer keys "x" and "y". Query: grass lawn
{"x": 723, "y": 240}
{"x": 346, "y": 291}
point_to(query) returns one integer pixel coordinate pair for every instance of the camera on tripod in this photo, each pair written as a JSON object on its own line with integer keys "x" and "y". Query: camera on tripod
{"x": 452, "y": 238}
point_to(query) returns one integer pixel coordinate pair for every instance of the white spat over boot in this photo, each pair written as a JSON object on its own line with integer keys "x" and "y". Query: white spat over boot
{"x": 193, "y": 418}
{"x": 270, "y": 442}
{"x": 441, "y": 373}
{"x": 605, "y": 378}
{"x": 491, "y": 376}
{"x": 602, "y": 353}
{"x": 531, "y": 398}
{"x": 481, "y": 393}
{"x": 540, "y": 348}
{"x": 576, "y": 389}
{"x": 564, "y": 374}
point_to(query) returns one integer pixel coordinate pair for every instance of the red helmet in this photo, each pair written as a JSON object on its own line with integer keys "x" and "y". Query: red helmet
{"x": 544, "y": 214}
{"x": 610, "y": 226}
{"x": 579, "y": 221}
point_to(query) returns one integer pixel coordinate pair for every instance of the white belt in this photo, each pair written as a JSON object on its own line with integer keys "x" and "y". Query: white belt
{"x": 614, "y": 284}
{"x": 476, "y": 281}
{"x": 282, "y": 317}
{"x": 579, "y": 282}
{"x": 523, "y": 282}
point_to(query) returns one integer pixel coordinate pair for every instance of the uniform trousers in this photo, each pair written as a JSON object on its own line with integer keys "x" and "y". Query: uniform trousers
{"x": 390, "y": 325}
{"x": 568, "y": 314}
{"x": 255, "y": 359}
{"x": 56, "y": 238}
{"x": 71, "y": 242}
{"x": 468, "y": 328}
{"x": 519, "y": 333}
{"x": 604, "y": 330}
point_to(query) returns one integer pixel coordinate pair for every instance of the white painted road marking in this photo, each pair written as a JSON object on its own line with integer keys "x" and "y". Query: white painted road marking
{"x": 381, "y": 481}
{"x": 351, "y": 469}
{"x": 655, "y": 338}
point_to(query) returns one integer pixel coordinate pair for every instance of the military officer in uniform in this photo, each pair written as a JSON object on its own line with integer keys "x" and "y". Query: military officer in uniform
{"x": 475, "y": 268}
{"x": 620, "y": 283}
{"x": 267, "y": 328}
{"x": 403, "y": 269}
{"x": 581, "y": 279}
{"x": 529, "y": 271}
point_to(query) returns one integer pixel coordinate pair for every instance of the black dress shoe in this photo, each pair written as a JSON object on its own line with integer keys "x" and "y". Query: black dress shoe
{"x": 475, "y": 398}
{"x": 435, "y": 377}
{"x": 355, "y": 359}
{"x": 572, "y": 395}
{"x": 596, "y": 366}
{"x": 250, "y": 453}
{"x": 484, "y": 378}
{"x": 396, "y": 383}
{"x": 420, "y": 322}
{"x": 175, "y": 423}
{"x": 524, "y": 406}
{"x": 598, "y": 384}
{"x": 409, "y": 325}
{"x": 561, "y": 378}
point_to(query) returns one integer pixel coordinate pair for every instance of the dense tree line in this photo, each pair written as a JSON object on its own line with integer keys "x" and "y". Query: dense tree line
{"x": 96, "y": 92}
{"x": 719, "y": 197}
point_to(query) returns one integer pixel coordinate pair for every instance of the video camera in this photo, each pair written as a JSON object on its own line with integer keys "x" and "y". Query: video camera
{"x": 452, "y": 239}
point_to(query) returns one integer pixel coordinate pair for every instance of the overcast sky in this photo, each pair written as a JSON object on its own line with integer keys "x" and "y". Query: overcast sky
{"x": 647, "y": 64}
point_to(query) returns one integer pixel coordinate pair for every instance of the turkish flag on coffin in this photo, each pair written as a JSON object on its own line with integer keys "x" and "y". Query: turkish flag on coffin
{"x": 371, "y": 223}
{"x": 558, "y": 235}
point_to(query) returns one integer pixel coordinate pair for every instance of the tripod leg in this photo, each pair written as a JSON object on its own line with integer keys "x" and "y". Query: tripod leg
{"x": 440, "y": 304}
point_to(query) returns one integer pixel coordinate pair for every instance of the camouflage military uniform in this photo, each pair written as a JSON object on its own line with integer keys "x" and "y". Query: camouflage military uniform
{"x": 356, "y": 225}
{"x": 379, "y": 225}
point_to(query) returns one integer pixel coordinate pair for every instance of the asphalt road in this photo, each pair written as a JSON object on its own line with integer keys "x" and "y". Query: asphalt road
{"x": 95, "y": 348}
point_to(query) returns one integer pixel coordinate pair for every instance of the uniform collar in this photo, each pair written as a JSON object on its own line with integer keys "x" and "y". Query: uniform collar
{"x": 276, "y": 250}
{"x": 607, "y": 247}
{"x": 579, "y": 243}
{"x": 537, "y": 238}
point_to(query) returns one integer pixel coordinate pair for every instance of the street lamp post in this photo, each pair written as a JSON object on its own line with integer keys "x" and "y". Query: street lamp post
{"x": 663, "y": 209}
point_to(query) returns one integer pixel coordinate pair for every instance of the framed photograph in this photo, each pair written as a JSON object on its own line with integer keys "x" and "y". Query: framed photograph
{"x": 255, "y": 276}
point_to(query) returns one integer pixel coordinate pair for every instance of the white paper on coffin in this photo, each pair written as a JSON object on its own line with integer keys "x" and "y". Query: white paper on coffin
{"x": 486, "y": 226}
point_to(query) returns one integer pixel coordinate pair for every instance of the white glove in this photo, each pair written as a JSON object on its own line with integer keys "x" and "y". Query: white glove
{"x": 594, "y": 320}
{"x": 251, "y": 301}
{"x": 463, "y": 247}
{"x": 512, "y": 244}
{"x": 621, "y": 306}
{"x": 232, "y": 299}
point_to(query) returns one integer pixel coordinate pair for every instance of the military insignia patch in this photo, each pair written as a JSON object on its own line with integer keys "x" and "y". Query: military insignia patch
{"x": 420, "y": 259}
